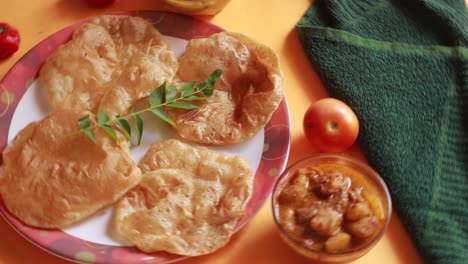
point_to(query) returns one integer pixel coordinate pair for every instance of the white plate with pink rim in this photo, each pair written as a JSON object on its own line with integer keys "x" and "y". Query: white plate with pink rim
{"x": 22, "y": 102}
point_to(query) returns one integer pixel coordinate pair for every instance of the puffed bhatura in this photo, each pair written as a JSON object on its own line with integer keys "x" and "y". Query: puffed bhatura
{"x": 110, "y": 63}
{"x": 52, "y": 178}
{"x": 246, "y": 96}
{"x": 188, "y": 201}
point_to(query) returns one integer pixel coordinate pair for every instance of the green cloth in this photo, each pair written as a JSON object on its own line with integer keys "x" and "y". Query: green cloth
{"x": 402, "y": 65}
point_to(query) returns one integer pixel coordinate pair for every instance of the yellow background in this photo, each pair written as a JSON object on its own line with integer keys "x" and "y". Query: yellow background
{"x": 270, "y": 21}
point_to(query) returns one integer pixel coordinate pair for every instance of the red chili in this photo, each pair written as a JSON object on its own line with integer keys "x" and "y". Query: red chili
{"x": 9, "y": 40}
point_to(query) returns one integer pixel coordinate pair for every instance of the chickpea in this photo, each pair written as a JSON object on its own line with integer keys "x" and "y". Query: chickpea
{"x": 339, "y": 201}
{"x": 287, "y": 217}
{"x": 297, "y": 231}
{"x": 295, "y": 191}
{"x": 355, "y": 194}
{"x": 301, "y": 181}
{"x": 316, "y": 176}
{"x": 304, "y": 215}
{"x": 334, "y": 183}
{"x": 327, "y": 222}
{"x": 286, "y": 213}
{"x": 357, "y": 211}
{"x": 338, "y": 243}
{"x": 363, "y": 227}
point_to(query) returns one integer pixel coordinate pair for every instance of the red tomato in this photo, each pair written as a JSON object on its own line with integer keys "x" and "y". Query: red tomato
{"x": 99, "y": 3}
{"x": 9, "y": 40}
{"x": 330, "y": 125}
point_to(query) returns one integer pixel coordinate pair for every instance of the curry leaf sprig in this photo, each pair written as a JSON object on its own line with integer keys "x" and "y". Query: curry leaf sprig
{"x": 164, "y": 95}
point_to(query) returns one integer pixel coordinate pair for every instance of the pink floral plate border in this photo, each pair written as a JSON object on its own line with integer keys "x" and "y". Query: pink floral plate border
{"x": 24, "y": 72}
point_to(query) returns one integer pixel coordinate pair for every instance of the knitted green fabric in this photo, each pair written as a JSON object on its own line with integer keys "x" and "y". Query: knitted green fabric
{"x": 402, "y": 65}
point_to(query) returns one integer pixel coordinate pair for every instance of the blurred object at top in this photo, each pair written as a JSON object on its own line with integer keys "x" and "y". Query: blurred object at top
{"x": 196, "y": 7}
{"x": 99, "y": 3}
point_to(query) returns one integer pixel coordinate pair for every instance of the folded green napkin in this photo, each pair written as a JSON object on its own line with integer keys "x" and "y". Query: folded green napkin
{"x": 402, "y": 65}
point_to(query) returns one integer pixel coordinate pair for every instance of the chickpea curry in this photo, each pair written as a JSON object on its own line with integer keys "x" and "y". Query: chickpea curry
{"x": 330, "y": 208}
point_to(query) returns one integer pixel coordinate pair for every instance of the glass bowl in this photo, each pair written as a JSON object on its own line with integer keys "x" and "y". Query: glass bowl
{"x": 311, "y": 237}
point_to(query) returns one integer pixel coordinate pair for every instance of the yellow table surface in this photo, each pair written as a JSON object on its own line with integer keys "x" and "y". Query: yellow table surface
{"x": 270, "y": 21}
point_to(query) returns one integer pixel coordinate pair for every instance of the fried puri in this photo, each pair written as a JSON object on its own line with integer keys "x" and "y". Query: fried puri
{"x": 109, "y": 63}
{"x": 246, "y": 96}
{"x": 188, "y": 201}
{"x": 53, "y": 178}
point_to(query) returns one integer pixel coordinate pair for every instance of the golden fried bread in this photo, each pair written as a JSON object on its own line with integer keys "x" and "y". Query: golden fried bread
{"x": 52, "y": 180}
{"x": 188, "y": 201}
{"x": 246, "y": 96}
{"x": 148, "y": 62}
{"x": 110, "y": 63}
